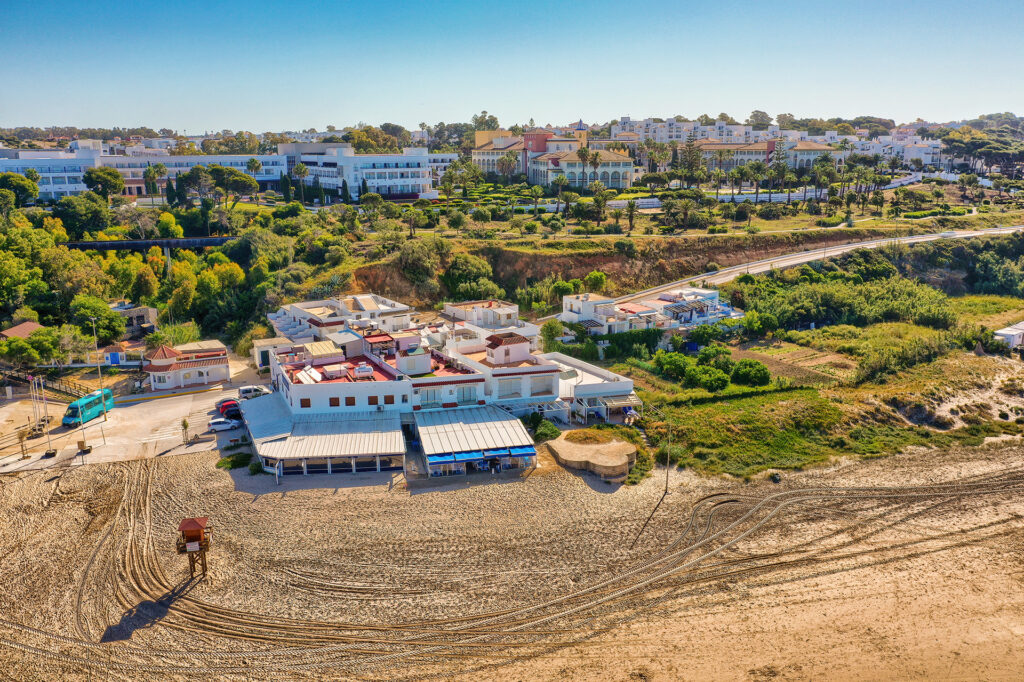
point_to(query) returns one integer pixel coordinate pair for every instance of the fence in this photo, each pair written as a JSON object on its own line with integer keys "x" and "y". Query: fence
{"x": 67, "y": 387}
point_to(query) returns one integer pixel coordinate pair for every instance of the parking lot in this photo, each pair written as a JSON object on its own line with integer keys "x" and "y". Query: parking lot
{"x": 144, "y": 429}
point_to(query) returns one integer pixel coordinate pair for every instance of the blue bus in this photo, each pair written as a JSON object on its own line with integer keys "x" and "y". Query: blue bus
{"x": 88, "y": 407}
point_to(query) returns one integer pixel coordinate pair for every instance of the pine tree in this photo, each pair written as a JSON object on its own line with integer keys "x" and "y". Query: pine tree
{"x": 317, "y": 192}
{"x": 182, "y": 193}
{"x": 346, "y": 196}
{"x": 364, "y": 188}
{"x": 286, "y": 188}
{"x": 170, "y": 193}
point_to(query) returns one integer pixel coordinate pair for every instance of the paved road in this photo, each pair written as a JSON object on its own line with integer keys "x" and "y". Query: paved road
{"x": 135, "y": 431}
{"x": 789, "y": 260}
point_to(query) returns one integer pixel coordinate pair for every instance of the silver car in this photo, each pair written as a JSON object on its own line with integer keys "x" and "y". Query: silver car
{"x": 222, "y": 424}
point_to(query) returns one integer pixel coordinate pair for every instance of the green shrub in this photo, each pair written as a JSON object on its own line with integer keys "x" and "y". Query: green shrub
{"x": 831, "y": 221}
{"x": 235, "y": 460}
{"x": 255, "y": 467}
{"x": 546, "y": 431}
{"x": 749, "y": 372}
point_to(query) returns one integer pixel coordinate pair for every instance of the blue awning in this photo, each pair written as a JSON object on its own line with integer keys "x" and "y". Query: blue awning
{"x": 471, "y": 456}
{"x": 502, "y": 452}
{"x": 523, "y": 451}
{"x": 435, "y": 460}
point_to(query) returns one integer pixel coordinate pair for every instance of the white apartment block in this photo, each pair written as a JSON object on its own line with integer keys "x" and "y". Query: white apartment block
{"x": 314, "y": 320}
{"x": 61, "y": 172}
{"x": 410, "y": 173}
{"x": 681, "y": 309}
{"x": 487, "y": 317}
{"x": 670, "y": 130}
{"x": 402, "y": 175}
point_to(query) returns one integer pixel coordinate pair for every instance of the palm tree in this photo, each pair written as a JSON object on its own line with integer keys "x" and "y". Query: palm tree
{"x": 735, "y": 176}
{"x": 559, "y": 182}
{"x": 631, "y": 213}
{"x": 787, "y": 182}
{"x": 595, "y": 162}
{"x": 148, "y": 175}
{"x": 255, "y": 167}
{"x": 756, "y": 171}
{"x": 723, "y": 155}
{"x": 447, "y": 188}
{"x": 687, "y": 206}
{"x": 300, "y": 172}
{"x": 507, "y": 165}
{"x": 719, "y": 176}
{"x": 616, "y": 215}
{"x": 536, "y": 192}
{"x": 584, "y": 155}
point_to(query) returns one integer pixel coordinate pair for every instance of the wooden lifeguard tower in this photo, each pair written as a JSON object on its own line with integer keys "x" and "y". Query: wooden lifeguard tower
{"x": 195, "y": 541}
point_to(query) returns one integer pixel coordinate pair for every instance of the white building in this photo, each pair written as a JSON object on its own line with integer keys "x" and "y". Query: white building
{"x": 193, "y": 364}
{"x": 681, "y": 309}
{"x": 490, "y": 317}
{"x": 348, "y": 400}
{"x": 314, "y": 320}
{"x": 61, "y": 172}
{"x": 404, "y": 175}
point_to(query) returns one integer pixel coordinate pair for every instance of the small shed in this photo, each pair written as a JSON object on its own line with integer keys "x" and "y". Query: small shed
{"x": 1012, "y": 336}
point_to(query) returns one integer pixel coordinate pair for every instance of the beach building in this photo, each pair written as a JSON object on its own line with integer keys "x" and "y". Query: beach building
{"x": 191, "y": 364}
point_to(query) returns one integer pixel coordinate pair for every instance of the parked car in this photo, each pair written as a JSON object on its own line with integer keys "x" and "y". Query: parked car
{"x": 232, "y": 413}
{"x": 246, "y": 392}
{"x": 227, "y": 405}
{"x": 221, "y": 424}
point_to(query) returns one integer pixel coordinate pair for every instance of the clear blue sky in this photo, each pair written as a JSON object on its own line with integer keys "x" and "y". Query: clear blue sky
{"x": 258, "y": 66}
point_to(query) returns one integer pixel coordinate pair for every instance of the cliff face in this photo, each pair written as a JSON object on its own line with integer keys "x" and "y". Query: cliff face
{"x": 656, "y": 260}
{"x": 648, "y": 262}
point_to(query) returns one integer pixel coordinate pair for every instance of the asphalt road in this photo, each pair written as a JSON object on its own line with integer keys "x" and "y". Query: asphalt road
{"x": 789, "y": 260}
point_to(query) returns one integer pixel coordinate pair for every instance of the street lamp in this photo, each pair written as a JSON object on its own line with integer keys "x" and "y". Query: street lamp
{"x": 99, "y": 367}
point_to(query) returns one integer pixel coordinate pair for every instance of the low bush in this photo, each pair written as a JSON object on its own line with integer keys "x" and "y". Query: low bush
{"x": 830, "y": 221}
{"x": 749, "y": 372}
{"x": 235, "y": 460}
{"x": 546, "y": 431}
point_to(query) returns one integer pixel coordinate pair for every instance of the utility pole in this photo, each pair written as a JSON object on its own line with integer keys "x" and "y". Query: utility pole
{"x": 668, "y": 468}
{"x": 99, "y": 368}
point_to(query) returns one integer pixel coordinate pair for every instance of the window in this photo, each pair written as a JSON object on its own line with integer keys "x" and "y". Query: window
{"x": 303, "y": 402}
{"x": 405, "y": 398}
{"x": 371, "y": 400}
{"x": 389, "y": 400}
{"x": 350, "y": 401}
{"x": 335, "y": 402}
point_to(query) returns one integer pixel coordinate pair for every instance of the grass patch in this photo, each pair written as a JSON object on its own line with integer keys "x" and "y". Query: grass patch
{"x": 589, "y": 436}
{"x": 992, "y": 311}
{"x": 748, "y": 435}
{"x": 235, "y": 460}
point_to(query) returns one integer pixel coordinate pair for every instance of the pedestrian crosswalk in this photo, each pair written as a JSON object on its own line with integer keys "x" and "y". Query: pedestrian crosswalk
{"x": 164, "y": 433}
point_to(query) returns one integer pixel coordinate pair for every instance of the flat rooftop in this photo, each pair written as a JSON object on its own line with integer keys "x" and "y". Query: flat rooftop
{"x": 481, "y": 357}
{"x": 440, "y": 369}
{"x": 294, "y": 368}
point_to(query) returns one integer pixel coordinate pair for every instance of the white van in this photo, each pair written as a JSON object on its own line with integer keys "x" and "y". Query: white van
{"x": 246, "y": 392}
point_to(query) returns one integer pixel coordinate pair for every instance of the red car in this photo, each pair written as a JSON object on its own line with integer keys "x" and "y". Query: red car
{"x": 227, "y": 405}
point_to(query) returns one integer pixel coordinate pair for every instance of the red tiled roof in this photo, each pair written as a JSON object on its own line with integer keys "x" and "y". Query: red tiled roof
{"x": 186, "y": 364}
{"x": 163, "y": 353}
{"x": 21, "y": 331}
{"x": 378, "y": 338}
{"x": 198, "y": 523}
{"x": 506, "y": 339}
